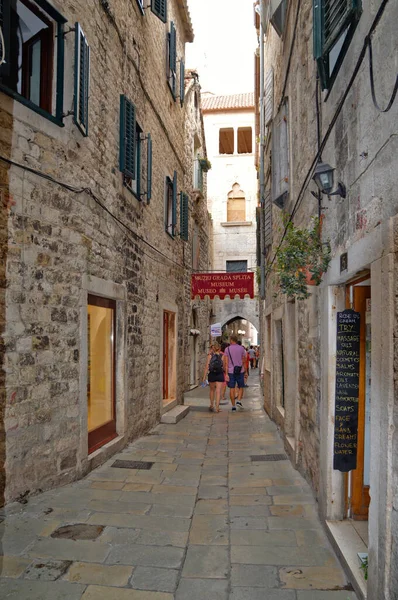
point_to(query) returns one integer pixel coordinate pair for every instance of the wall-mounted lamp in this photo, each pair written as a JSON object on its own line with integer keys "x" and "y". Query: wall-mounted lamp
{"x": 323, "y": 178}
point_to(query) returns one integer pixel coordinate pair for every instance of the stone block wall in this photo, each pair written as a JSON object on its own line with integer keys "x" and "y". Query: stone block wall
{"x": 58, "y": 239}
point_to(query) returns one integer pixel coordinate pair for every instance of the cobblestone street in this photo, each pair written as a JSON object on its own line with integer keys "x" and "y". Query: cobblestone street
{"x": 206, "y": 521}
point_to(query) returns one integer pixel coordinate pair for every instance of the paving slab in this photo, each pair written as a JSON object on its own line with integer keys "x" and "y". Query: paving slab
{"x": 249, "y": 511}
{"x": 108, "y": 575}
{"x": 241, "y": 537}
{"x": 215, "y": 507}
{"x": 94, "y": 592}
{"x": 22, "y": 589}
{"x": 207, "y": 562}
{"x": 60, "y": 549}
{"x": 155, "y": 579}
{"x": 257, "y": 593}
{"x": 254, "y": 576}
{"x": 310, "y": 578}
{"x": 202, "y": 589}
{"x": 209, "y": 530}
{"x": 13, "y": 566}
{"x": 322, "y": 595}
{"x": 146, "y": 556}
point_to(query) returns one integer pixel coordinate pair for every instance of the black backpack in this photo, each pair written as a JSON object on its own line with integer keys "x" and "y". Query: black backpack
{"x": 216, "y": 365}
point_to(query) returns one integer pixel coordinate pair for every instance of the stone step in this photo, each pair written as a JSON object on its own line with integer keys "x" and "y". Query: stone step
{"x": 175, "y": 414}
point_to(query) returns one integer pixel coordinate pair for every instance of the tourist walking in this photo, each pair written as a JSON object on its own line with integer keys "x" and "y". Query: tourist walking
{"x": 216, "y": 373}
{"x": 224, "y": 346}
{"x": 236, "y": 361}
{"x": 252, "y": 357}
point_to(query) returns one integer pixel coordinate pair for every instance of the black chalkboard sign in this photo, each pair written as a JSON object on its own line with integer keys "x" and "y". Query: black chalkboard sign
{"x": 347, "y": 391}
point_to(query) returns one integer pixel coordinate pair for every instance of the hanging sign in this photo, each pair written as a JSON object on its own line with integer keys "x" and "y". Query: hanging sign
{"x": 222, "y": 284}
{"x": 347, "y": 391}
{"x": 215, "y": 330}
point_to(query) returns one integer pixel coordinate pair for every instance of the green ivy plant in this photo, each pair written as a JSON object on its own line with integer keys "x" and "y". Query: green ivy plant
{"x": 364, "y": 567}
{"x": 302, "y": 257}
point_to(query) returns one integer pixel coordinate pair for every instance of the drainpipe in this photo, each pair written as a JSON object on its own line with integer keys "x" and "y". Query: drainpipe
{"x": 262, "y": 149}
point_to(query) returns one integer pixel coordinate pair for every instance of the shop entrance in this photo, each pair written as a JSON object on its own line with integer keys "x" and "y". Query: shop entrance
{"x": 101, "y": 413}
{"x": 169, "y": 357}
{"x": 358, "y": 297}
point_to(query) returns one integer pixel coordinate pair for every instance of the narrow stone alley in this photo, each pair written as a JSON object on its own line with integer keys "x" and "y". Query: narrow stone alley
{"x": 207, "y": 520}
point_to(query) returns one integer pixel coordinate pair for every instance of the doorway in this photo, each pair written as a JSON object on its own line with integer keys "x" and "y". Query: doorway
{"x": 193, "y": 351}
{"x": 358, "y": 297}
{"x": 169, "y": 357}
{"x": 101, "y": 413}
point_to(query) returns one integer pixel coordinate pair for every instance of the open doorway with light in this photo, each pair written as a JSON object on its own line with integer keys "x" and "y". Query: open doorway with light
{"x": 169, "y": 357}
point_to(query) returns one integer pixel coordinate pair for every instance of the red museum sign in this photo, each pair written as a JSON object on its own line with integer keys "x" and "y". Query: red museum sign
{"x": 222, "y": 284}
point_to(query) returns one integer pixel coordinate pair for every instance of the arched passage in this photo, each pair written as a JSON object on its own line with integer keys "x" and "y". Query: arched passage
{"x": 242, "y": 328}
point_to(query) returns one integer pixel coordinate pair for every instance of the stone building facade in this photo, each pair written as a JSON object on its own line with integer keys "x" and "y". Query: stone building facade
{"x": 98, "y": 216}
{"x": 201, "y": 227}
{"x": 321, "y": 106}
{"x": 232, "y": 200}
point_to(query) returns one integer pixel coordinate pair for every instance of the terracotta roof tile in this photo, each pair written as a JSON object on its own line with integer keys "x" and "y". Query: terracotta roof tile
{"x": 231, "y": 102}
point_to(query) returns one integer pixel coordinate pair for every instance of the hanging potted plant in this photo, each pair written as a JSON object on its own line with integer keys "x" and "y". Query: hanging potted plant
{"x": 302, "y": 259}
{"x": 205, "y": 164}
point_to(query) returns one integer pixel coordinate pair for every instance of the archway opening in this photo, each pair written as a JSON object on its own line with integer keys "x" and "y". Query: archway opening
{"x": 245, "y": 331}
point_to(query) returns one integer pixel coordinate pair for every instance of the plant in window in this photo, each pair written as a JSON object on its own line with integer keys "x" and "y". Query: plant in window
{"x": 302, "y": 258}
{"x": 205, "y": 164}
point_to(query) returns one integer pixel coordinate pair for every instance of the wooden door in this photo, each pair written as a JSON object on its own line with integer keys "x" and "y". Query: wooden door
{"x": 360, "y": 498}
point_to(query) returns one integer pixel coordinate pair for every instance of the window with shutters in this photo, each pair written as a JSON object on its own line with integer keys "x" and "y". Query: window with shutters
{"x": 82, "y": 80}
{"x": 280, "y": 157}
{"x": 171, "y": 205}
{"x": 226, "y": 141}
{"x": 245, "y": 140}
{"x": 184, "y": 216}
{"x": 159, "y": 8}
{"x": 172, "y": 62}
{"x": 130, "y": 146}
{"x": 334, "y": 25}
{"x": 34, "y": 45}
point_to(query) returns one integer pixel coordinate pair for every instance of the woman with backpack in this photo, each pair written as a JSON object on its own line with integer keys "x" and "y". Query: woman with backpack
{"x": 216, "y": 369}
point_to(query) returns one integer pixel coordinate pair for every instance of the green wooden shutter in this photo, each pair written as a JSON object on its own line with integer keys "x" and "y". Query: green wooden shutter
{"x": 330, "y": 19}
{"x": 182, "y": 82}
{"x": 267, "y": 219}
{"x": 127, "y": 137}
{"x": 174, "y": 212}
{"x": 280, "y": 157}
{"x": 172, "y": 76}
{"x": 335, "y": 16}
{"x": 5, "y": 24}
{"x": 184, "y": 213}
{"x": 82, "y": 78}
{"x": 149, "y": 170}
{"x": 159, "y": 8}
{"x": 173, "y": 48}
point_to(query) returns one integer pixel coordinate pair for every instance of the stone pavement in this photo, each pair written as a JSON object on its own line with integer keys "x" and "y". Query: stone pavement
{"x": 206, "y": 522}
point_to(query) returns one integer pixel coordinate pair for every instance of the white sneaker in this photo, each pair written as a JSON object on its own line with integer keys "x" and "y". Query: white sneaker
{"x": 239, "y": 403}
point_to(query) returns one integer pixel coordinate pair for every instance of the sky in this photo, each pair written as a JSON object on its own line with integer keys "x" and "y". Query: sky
{"x": 224, "y": 45}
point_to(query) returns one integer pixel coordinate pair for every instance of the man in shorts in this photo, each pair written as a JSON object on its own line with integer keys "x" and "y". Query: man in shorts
{"x": 236, "y": 356}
